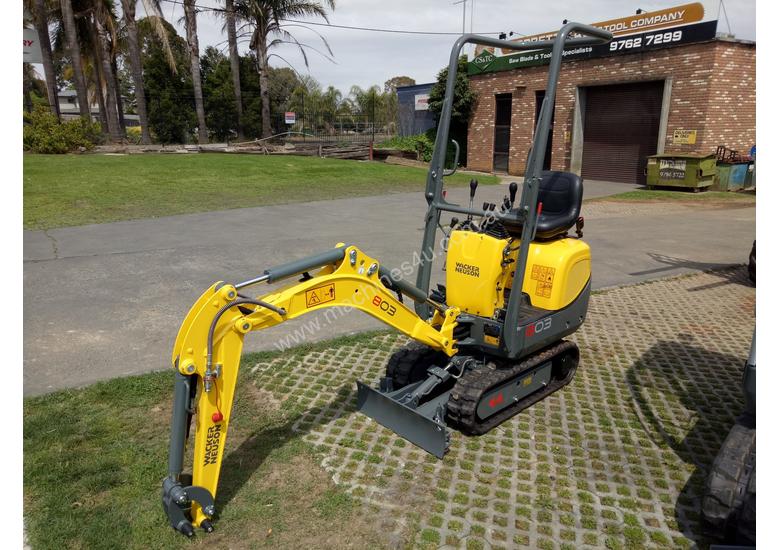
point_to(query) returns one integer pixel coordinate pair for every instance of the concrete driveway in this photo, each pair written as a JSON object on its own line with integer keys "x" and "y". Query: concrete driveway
{"x": 106, "y": 300}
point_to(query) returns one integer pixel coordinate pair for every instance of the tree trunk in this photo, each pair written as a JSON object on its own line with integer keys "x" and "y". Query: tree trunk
{"x": 42, "y": 28}
{"x": 120, "y": 108}
{"x": 191, "y": 24}
{"x": 235, "y": 67}
{"x": 27, "y": 97}
{"x": 75, "y": 57}
{"x": 101, "y": 101}
{"x": 134, "y": 53}
{"x": 114, "y": 131}
{"x": 97, "y": 66}
{"x": 262, "y": 65}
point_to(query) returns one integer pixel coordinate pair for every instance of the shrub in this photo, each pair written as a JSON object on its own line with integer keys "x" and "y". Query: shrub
{"x": 43, "y": 133}
{"x": 422, "y": 144}
{"x": 133, "y": 134}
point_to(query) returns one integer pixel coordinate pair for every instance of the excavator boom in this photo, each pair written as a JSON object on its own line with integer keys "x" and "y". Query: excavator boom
{"x": 208, "y": 348}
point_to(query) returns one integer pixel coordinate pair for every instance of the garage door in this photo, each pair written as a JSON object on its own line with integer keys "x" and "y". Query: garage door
{"x": 620, "y": 130}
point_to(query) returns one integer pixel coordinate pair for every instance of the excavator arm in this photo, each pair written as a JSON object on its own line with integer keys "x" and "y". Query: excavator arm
{"x": 207, "y": 353}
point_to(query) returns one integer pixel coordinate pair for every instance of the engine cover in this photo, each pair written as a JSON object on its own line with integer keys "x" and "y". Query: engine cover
{"x": 481, "y": 267}
{"x": 474, "y": 272}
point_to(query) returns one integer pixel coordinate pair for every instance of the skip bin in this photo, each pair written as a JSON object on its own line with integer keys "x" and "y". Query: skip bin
{"x": 692, "y": 170}
{"x": 732, "y": 176}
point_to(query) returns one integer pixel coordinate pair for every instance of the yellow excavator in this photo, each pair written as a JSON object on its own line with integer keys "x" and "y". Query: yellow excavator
{"x": 486, "y": 345}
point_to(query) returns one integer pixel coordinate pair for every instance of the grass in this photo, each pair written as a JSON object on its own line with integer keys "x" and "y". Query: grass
{"x": 642, "y": 195}
{"x": 94, "y": 459}
{"x": 67, "y": 190}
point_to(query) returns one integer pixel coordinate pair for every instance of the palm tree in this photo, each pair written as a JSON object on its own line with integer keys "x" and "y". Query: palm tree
{"x": 88, "y": 43}
{"x": 191, "y": 24}
{"x": 266, "y": 18}
{"x": 40, "y": 14}
{"x": 103, "y": 19}
{"x": 152, "y": 7}
{"x": 74, "y": 52}
{"x": 235, "y": 67}
{"x": 96, "y": 72}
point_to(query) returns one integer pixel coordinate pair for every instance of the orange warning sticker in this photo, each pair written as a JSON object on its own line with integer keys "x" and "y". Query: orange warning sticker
{"x": 320, "y": 295}
{"x": 544, "y": 277}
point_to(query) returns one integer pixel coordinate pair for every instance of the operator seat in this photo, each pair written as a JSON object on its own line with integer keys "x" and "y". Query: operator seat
{"x": 561, "y": 196}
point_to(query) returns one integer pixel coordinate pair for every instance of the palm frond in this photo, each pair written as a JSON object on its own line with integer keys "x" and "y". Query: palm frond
{"x": 324, "y": 41}
{"x": 155, "y": 16}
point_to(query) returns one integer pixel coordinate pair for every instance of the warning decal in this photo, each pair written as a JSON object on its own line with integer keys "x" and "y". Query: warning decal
{"x": 544, "y": 277}
{"x": 320, "y": 295}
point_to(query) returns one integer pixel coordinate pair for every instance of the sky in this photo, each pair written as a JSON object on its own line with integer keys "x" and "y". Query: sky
{"x": 367, "y": 58}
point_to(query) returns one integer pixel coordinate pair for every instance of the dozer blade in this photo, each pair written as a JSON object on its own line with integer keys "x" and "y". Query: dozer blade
{"x": 423, "y": 425}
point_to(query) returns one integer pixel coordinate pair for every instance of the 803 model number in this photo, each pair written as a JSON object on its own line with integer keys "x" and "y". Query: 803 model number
{"x": 384, "y": 305}
{"x": 649, "y": 40}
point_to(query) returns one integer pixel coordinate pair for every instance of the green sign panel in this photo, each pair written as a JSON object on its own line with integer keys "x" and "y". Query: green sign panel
{"x": 487, "y": 62}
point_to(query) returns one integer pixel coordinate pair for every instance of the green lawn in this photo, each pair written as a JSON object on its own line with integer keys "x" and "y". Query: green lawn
{"x": 681, "y": 195}
{"x": 65, "y": 190}
{"x": 94, "y": 460}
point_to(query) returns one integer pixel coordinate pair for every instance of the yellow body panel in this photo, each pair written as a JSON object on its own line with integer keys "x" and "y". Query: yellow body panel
{"x": 474, "y": 269}
{"x": 556, "y": 272}
{"x": 480, "y": 268}
{"x": 342, "y": 284}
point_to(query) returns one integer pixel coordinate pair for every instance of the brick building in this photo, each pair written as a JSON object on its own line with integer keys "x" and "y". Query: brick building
{"x": 612, "y": 112}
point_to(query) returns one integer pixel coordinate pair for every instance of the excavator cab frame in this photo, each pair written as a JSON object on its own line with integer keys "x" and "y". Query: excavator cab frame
{"x": 208, "y": 347}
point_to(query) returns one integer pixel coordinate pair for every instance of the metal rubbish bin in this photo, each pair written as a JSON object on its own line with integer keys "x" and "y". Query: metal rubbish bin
{"x": 691, "y": 170}
{"x": 733, "y": 176}
{"x": 750, "y": 179}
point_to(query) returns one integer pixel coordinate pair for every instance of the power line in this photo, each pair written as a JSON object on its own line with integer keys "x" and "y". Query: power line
{"x": 348, "y": 27}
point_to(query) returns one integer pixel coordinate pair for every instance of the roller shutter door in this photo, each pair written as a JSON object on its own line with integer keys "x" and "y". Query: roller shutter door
{"x": 620, "y": 130}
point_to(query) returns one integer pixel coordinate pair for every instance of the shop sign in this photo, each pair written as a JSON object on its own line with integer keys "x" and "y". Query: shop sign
{"x": 421, "y": 102}
{"x": 633, "y": 34}
{"x": 31, "y": 48}
{"x": 698, "y": 32}
{"x": 642, "y": 22}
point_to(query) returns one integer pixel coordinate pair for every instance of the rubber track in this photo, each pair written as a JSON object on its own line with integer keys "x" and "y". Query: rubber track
{"x": 472, "y": 386}
{"x": 410, "y": 363}
{"x": 729, "y": 485}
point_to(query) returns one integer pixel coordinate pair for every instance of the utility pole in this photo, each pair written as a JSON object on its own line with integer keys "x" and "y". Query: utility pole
{"x": 464, "y": 13}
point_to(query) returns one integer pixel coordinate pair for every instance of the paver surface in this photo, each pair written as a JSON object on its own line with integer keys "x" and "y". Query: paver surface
{"x": 617, "y": 459}
{"x": 106, "y": 300}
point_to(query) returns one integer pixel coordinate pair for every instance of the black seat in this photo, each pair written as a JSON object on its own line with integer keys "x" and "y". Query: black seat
{"x": 561, "y": 196}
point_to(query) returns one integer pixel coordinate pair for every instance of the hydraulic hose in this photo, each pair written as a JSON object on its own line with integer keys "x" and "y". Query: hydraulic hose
{"x": 223, "y": 309}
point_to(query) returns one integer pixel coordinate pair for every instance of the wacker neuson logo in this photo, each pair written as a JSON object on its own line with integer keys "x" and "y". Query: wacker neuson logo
{"x": 212, "y": 444}
{"x": 466, "y": 269}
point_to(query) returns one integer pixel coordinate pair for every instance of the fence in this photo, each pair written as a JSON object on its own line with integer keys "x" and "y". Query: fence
{"x": 325, "y": 128}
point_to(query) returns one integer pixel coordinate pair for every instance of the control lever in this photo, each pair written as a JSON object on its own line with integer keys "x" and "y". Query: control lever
{"x": 512, "y": 193}
{"x": 446, "y": 243}
{"x": 472, "y": 191}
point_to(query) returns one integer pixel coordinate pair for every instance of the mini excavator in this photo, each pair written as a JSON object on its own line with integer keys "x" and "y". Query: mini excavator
{"x": 485, "y": 346}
